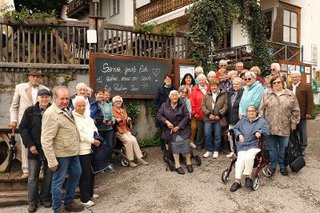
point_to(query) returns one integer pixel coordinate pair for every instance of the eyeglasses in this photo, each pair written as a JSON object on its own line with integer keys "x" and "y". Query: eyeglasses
{"x": 273, "y": 69}
{"x": 247, "y": 79}
{"x": 184, "y": 92}
{"x": 276, "y": 82}
{"x": 117, "y": 101}
{"x": 223, "y": 65}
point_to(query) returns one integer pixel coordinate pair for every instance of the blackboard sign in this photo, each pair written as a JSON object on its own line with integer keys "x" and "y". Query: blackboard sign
{"x": 128, "y": 76}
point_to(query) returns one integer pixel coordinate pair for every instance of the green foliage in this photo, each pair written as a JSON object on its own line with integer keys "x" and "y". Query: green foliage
{"x": 152, "y": 141}
{"x": 210, "y": 20}
{"x": 151, "y": 108}
{"x": 316, "y": 110}
{"x": 133, "y": 109}
{"x": 25, "y": 15}
{"x": 144, "y": 27}
{"x": 41, "y": 5}
{"x": 168, "y": 28}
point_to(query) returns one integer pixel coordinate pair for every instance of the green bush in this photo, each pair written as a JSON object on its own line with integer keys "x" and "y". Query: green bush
{"x": 152, "y": 141}
{"x": 316, "y": 110}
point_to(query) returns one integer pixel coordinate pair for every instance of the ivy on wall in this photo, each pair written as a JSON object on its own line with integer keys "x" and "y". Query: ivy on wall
{"x": 211, "y": 19}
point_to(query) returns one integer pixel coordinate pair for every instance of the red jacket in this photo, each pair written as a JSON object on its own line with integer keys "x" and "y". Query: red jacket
{"x": 196, "y": 100}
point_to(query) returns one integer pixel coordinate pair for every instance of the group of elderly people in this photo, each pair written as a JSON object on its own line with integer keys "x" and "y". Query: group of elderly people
{"x": 95, "y": 120}
{"x": 240, "y": 100}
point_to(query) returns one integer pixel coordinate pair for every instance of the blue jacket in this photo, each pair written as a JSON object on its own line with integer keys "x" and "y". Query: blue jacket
{"x": 248, "y": 129}
{"x": 251, "y": 96}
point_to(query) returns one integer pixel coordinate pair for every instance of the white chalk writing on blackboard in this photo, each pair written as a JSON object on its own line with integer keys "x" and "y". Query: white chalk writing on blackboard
{"x": 130, "y": 70}
{"x": 111, "y": 78}
{"x": 143, "y": 69}
{"x": 156, "y": 71}
{"x": 145, "y": 78}
{"x": 106, "y": 68}
{"x": 120, "y": 88}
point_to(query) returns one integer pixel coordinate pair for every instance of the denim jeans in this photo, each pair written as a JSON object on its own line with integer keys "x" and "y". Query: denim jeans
{"x": 34, "y": 167}
{"x": 67, "y": 165}
{"x": 209, "y": 144}
{"x": 108, "y": 136}
{"x": 277, "y": 147}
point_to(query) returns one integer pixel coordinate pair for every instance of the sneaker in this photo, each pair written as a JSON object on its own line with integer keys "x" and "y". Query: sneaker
{"x": 215, "y": 155}
{"x": 235, "y": 186}
{"x": 143, "y": 162}
{"x": 249, "y": 183}
{"x": 230, "y": 155}
{"x": 74, "y": 207}
{"x": 132, "y": 164}
{"x": 207, "y": 154}
{"x": 193, "y": 145}
{"x": 110, "y": 169}
{"x": 95, "y": 196}
{"x": 32, "y": 208}
{"x": 88, "y": 204}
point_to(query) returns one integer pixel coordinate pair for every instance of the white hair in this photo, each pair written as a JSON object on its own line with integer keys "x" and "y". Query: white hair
{"x": 232, "y": 72}
{"x": 81, "y": 85}
{"x": 250, "y": 74}
{"x": 211, "y": 73}
{"x": 239, "y": 63}
{"x": 77, "y": 99}
{"x": 117, "y": 98}
{"x": 173, "y": 92}
{"x": 223, "y": 62}
{"x": 198, "y": 69}
{"x": 295, "y": 72}
{"x": 201, "y": 76}
{"x": 238, "y": 80}
{"x": 276, "y": 66}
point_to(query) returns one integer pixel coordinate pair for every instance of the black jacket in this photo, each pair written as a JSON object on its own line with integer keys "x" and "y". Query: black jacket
{"x": 233, "y": 110}
{"x": 30, "y": 130}
{"x": 162, "y": 96}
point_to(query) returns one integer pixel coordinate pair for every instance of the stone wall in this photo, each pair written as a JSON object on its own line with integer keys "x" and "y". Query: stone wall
{"x": 144, "y": 125}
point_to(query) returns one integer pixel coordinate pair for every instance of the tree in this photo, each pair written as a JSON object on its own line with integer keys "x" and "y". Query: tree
{"x": 40, "y": 5}
{"x": 211, "y": 19}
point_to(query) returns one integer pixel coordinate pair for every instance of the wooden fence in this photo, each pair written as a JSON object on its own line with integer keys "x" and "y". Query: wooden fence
{"x": 63, "y": 45}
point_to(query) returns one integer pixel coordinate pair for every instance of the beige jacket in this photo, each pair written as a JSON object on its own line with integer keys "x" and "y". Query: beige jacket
{"x": 282, "y": 112}
{"x": 21, "y": 100}
{"x": 59, "y": 136}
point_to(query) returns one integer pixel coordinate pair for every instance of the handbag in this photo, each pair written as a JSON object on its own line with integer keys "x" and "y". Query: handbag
{"x": 297, "y": 164}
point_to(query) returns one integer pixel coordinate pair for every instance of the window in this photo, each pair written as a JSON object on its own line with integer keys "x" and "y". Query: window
{"x": 268, "y": 18}
{"x": 114, "y": 7}
{"x": 290, "y": 26}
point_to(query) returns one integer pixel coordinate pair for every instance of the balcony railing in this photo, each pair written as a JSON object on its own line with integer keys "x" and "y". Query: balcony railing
{"x": 75, "y": 6}
{"x": 277, "y": 51}
{"x": 160, "y": 7}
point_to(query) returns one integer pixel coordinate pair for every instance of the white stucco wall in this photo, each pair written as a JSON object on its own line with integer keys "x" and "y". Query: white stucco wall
{"x": 124, "y": 17}
{"x": 140, "y": 3}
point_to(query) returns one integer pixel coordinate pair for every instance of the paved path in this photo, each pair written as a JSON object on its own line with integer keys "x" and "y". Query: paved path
{"x": 153, "y": 189}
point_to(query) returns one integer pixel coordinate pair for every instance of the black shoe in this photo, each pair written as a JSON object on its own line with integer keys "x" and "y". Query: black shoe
{"x": 271, "y": 171}
{"x": 180, "y": 171}
{"x": 284, "y": 171}
{"x": 74, "y": 207}
{"x": 32, "y": 208}
{"x": 235, "y": 186}
{"x": 190, "y": 168}
{"x": 46, "y": 203}
{"x": 248, "y": 183}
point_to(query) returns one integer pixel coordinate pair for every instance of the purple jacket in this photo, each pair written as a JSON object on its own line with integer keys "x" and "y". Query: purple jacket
{"x": 178, "y": 117}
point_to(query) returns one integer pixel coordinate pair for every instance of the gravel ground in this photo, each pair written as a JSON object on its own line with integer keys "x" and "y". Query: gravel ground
{"x": 153, "y": 189}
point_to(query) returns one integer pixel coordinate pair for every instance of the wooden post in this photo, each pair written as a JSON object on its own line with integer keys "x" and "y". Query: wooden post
{"x": 100, "y": 34}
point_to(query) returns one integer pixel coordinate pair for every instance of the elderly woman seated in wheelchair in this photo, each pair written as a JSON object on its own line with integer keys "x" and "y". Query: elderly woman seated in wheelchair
{"x": 246, "y": 132}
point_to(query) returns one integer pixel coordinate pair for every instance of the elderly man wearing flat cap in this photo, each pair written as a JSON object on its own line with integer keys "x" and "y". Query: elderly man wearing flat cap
{"x": 25, "y": 95}
{"x": 30, "y": 131}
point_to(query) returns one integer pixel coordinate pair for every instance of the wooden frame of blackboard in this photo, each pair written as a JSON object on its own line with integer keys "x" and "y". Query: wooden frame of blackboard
{"x": 94, "y": 56}
{"x": 177, "y": 64}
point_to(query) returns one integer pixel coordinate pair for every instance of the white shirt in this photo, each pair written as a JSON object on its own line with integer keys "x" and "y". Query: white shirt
{"x": 34, "y": 94}
{"x": 214, "y": 98}
{"x": 294, "y": 87}
{"x": 203, "y": 89}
